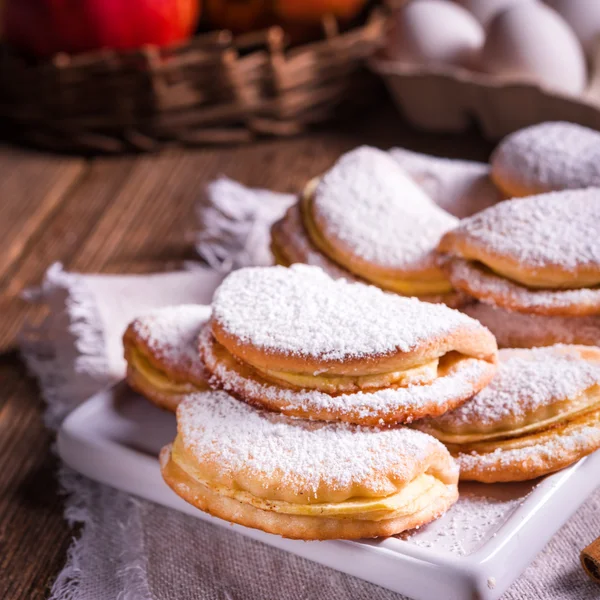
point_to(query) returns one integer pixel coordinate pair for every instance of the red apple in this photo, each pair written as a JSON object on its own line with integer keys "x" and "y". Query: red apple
{"x": 45, "y": 27}
{"x": 238, "y": 16}
{"x": 312, "y": 11}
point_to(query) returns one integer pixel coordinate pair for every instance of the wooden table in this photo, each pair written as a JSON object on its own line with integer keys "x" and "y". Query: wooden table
{"x": 119, "y": 215}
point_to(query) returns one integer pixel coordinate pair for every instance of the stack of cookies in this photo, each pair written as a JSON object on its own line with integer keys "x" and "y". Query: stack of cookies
{"x": 534, "y": 262}
{"x": 530, "y": 275}
{"x": 317, "y": 379}
{"x": 328, "y": 396}
{"x": 319, "y": 401}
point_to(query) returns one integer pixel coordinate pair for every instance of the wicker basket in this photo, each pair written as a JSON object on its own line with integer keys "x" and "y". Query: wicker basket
{"x": 213, "y": 89}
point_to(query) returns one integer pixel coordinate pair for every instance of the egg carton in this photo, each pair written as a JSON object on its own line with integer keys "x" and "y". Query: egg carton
{"x": 451, "y": 99}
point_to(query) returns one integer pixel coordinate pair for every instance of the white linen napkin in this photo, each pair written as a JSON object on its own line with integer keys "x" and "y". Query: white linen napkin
{"x": 131, "y": 549}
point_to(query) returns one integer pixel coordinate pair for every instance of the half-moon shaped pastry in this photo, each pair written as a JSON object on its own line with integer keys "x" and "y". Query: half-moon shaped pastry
{"x": 161, "y": 350}
{"x": 548, "y": 157}
{"x": 518, "y": 330}
{"x": 369, "y": 220}
{"x": 298, "y": 342}
{"x": 305, "y": 480}
{"x": 539, "y": 254}
{"x": 540, "y": 414}
{"x": 368, "y": 216}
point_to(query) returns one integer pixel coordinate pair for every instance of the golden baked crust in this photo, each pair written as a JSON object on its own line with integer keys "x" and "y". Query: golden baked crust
{"x": 421, "y": 278}
{"x": 515, "y": 268}
{"x": 366, "y": 217}
{"x": 247, "y": 303}
{"x": 300, "y": 342}
{"x": 539, "y": 415}
{"x": 473, "y": 342}
{"x": 296, "y": 527}
{"x": 305, "y": 480}
{"x": 162, "y": 357}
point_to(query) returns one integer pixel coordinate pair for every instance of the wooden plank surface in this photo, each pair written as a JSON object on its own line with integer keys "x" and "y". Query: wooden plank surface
{"x": 119, "y": 215}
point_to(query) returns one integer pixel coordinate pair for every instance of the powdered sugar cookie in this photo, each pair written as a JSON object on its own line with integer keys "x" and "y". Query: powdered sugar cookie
{"x": 305, "y": 480}
{"x": 369, "y": 217}
{"x": 548, "y": 157}
{"x": 518, "y": 330}
{"x": 540, "y": 414}
{"x": 296, "y": 341}
{"x": 539, "y": 254}
{"x": 161, "y": 351}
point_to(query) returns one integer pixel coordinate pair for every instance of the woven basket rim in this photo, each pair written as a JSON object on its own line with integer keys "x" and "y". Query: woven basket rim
{"x": 211, "y": 42}
{"x": 207, "y": 88}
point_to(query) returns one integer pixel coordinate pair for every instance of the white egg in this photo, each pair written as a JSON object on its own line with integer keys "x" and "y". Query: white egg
{"x": 532, "y": 42}
{"x": 433, "y": 33}
{"x": 485, "y": 10}
{"x": 584, "y": 17}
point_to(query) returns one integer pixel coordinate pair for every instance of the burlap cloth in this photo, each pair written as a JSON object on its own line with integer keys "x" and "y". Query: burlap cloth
{"x": 131, "y": 549}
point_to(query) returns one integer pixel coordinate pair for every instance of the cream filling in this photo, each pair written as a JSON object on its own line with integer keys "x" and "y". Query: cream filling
{"x": 158, "y": 379}
{"x": 338, "y": 384}
{"x": 535, "y": 282}
{"x": 539, "y": 420}
{"x": 406, "y": 287}
{"x": 412, "y": 498}
{"x": 585, "y": 418}
{"x": 420, "y": 375}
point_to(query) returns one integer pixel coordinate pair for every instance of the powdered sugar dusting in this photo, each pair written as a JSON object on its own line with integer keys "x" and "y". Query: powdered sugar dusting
{"x": 367, "y": 203}
{"x": 527, "y": 380}
{"x": 556, "y": 229}
{"x": 519, "y": 330}
{"x": 470, "y": 523}
{"x": 551, "y": 156}
{"x": 300, "y": 454}
{"x": 172, "y": 333}
{"x": 361, "y": 405}
{"x": 304, "y": 312}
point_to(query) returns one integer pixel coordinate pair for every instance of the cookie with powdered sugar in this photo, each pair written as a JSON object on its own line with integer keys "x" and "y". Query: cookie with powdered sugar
{"x": 305, "y": 480}
{"x": 541, "y": 413}
{"x": 296, "y": 341}
{"x": 548, "y": 157}
{"x": 539, "y": 254}
{"x": 161, "y": 350}
{"x": 366, "y": 219}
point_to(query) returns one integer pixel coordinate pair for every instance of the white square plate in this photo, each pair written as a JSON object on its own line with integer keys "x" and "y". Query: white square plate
{"x": 475, "y": 551}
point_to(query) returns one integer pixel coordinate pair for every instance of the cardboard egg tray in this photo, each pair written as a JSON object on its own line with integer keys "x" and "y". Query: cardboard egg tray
{"x": 451, "y": 99}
